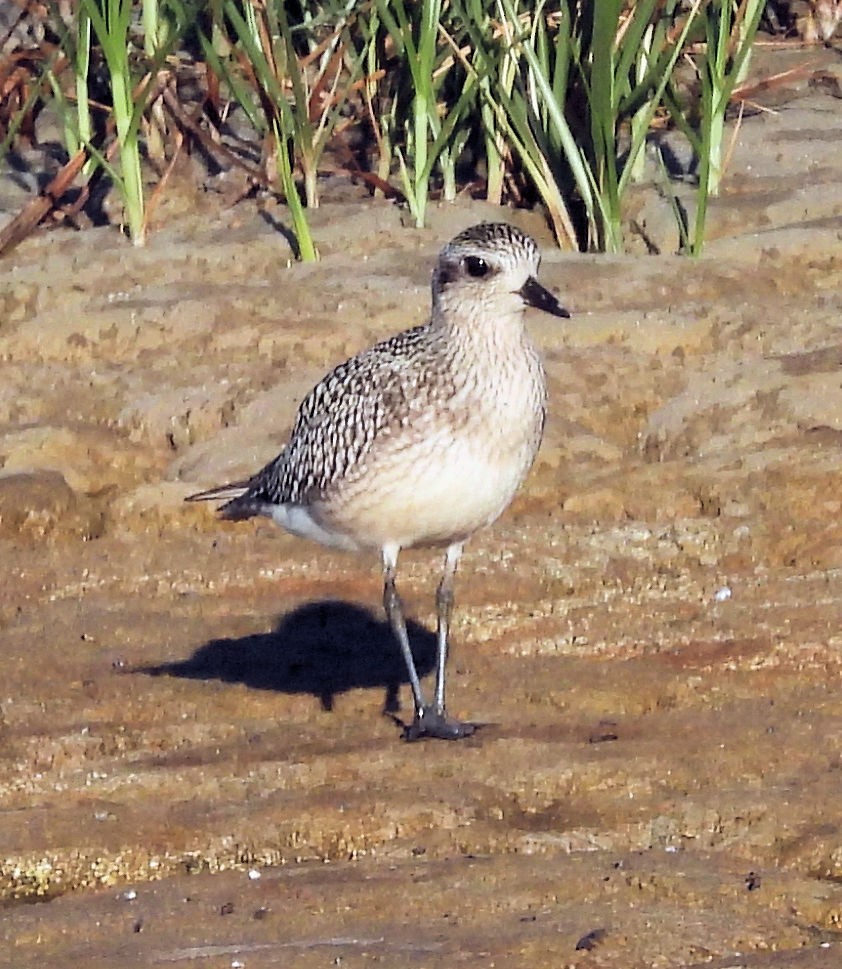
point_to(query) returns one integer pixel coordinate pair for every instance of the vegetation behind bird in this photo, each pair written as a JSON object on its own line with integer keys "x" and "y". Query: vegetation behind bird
{"x": 524, "y": 102}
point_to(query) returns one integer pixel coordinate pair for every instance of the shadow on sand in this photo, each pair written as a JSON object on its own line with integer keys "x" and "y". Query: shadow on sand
{"x": 322, "y": 648}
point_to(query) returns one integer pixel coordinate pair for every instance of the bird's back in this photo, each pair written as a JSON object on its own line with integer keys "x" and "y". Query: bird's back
{"x": 369, "y": 397}
{"x": 417, "y": 440}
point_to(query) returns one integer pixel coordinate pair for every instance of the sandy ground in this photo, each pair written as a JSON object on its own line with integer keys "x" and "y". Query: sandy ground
{"x": 195, "y": 768}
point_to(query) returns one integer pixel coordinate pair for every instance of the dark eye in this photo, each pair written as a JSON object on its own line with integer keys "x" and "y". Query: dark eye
{"x": 476, "y": 267}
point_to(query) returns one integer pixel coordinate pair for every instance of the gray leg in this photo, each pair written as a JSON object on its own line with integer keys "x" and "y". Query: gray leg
{"x": 444, "y": 610}
{"x": 394, "y": 611}
{"x": 429, "y": 721}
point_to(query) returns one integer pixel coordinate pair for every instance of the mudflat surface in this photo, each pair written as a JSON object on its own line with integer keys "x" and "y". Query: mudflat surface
{"x": 195, "y": 764}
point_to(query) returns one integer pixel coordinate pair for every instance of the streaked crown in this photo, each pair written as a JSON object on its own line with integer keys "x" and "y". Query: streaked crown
{"x": 483, "y": 253}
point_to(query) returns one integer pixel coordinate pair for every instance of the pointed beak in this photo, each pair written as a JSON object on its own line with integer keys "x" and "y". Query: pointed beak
{"x": 534, "y": 294}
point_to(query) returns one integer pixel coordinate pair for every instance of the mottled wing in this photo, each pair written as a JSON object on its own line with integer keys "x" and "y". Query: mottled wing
{"x": 341, "y": 418}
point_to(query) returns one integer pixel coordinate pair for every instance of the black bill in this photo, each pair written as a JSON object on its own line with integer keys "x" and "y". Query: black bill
{"x": 534, "y": 294}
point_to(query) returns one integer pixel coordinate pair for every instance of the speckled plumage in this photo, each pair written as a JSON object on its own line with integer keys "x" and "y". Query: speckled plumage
{"x": 423, "y": 438}
{"x": 372, "y": 394}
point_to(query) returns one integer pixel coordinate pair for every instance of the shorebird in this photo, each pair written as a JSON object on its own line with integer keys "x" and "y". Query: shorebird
{"x": 422, "y": 439}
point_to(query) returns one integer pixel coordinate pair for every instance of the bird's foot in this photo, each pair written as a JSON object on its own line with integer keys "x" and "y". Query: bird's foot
{"x": 429, "y": 722}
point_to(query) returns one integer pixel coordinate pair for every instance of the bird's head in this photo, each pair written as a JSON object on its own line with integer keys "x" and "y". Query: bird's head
{"x": 491, "y": 269}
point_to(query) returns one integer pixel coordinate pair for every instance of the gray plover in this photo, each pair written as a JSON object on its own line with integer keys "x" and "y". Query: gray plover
{"x": 422, "y": 439}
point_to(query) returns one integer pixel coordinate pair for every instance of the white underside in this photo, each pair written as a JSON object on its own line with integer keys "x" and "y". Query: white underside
{"x": 298, "y": 520}
{"x": 428, "y": 501}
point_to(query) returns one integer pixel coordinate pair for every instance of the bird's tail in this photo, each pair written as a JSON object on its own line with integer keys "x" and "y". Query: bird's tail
{"x": 239, "y": 504}
{"x": 235, "y": 489}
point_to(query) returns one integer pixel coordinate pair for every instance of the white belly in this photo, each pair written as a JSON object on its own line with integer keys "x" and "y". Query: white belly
{"x": 434, "y": 493}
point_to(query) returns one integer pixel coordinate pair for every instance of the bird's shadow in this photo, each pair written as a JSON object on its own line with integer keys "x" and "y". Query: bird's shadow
{"x": 322, "y": 648}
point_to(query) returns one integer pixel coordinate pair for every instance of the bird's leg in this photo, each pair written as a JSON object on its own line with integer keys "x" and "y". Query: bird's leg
{"x": 394, "y": 611}
{"x": 434, "y": 720}
{"x": 429, "y": 721}
{"x": 444, "y": 610}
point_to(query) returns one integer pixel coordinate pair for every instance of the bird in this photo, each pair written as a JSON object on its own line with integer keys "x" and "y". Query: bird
{"x": 422, "y": 439}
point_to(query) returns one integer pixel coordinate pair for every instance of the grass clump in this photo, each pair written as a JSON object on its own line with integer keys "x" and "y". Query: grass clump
{"x": 524, "y": 102}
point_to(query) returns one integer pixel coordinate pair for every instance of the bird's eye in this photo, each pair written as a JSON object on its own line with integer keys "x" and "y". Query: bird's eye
{"x": 476, "y": 266}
